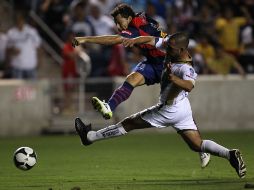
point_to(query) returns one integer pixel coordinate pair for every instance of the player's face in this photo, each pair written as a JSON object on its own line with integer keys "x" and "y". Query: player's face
{"x": 122, "y": 23}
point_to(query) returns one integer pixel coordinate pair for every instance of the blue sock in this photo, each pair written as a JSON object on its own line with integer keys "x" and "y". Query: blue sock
{"x": 121, "y": 94}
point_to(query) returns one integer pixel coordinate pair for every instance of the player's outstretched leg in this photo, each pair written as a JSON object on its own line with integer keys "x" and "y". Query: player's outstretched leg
{"x": 236, "y": 161}
{"x": 82, "y": 131}
{"x": 88, "y": 136}
{"x": 102, "y": 107}
{"x": 193, "y": 139}
{"x": 204, "y": 159}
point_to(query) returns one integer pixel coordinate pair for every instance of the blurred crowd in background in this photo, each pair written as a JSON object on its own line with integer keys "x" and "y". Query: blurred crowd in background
{"x": 222, "y": 34}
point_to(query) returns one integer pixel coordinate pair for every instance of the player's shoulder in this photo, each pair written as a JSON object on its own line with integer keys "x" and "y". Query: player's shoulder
{"x": 30, "y": 28}
{"x": 139, "y": 19}
{"x": 187, "y": 68}
{"x": 184, "y": 71}
{"x": 186, "y": 65}
{"x": 26, "y": 29}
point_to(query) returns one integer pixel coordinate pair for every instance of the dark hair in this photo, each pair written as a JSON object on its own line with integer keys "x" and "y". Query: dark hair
{"x": 179, "y": 40}
{"x": 20, "y": 13}
{"x": 124, "y": 10}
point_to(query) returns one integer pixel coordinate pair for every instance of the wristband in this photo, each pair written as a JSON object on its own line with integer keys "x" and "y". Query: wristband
{"x": 158, "y": 42}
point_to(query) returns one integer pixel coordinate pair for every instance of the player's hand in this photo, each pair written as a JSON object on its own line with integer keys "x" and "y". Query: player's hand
{"x": 75, "y": 42}
{"x": 168, "y": 67}
{"x": 171, "y": 76}
{"x": 128, "y": 42}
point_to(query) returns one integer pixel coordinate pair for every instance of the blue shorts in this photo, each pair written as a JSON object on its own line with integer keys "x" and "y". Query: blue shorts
{"x": 151, "y": 71}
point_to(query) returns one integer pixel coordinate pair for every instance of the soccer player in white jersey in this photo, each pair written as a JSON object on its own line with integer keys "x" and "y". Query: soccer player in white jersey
{"x": 173, "y": 109}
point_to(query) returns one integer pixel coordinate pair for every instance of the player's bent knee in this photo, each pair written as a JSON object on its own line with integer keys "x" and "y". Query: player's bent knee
{"x": 135, "y": 122}
{"x": 128, "y": 124}
{"x": 135, "y": 79}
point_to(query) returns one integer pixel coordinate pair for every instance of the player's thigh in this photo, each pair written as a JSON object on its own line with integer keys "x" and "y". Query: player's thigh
{"x": 192, "y": 138}
{"x": 135, "y": 122}
{"x": 147, "y": 72}
{"x": 135, "y": 79}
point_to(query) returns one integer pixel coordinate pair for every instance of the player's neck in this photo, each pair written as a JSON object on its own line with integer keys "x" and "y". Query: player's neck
{"x": 181, "y": 60}
{"x": 184, "y": 58}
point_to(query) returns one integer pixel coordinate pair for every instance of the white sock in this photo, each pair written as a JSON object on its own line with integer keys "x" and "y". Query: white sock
{"x": 214, "y": 148}
{"x": 108, "y": 132}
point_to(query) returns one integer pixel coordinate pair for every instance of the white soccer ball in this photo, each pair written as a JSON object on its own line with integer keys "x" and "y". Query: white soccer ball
{"x": 24, "y": 158}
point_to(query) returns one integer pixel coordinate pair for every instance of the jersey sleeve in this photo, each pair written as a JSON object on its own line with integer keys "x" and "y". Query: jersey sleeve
{"x": 188, "y": 73}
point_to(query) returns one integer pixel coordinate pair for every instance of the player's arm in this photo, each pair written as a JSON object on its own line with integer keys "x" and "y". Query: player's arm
{"x": 186, "y": 85}
{"x": 151, "y": 40}
{"x": 130, "y": 42}
{"x": 103, "y": 40}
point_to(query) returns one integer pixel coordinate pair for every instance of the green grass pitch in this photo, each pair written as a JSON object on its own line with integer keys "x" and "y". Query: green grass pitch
{"x": 139, "y": 161}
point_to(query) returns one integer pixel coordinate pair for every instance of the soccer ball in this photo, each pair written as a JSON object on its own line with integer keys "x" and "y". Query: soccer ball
{"x": 24, "y": 158}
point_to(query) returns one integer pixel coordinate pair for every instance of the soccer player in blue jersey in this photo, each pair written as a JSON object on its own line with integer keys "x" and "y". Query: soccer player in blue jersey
{"x": 132, "y": 25}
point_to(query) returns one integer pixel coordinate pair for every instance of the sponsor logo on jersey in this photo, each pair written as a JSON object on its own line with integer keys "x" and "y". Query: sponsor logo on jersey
{"x": 127, "y": 32}
{"x": 142, "y": 66}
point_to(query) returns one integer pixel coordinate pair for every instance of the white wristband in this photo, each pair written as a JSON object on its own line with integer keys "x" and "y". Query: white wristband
{"x": 159, "y": 44}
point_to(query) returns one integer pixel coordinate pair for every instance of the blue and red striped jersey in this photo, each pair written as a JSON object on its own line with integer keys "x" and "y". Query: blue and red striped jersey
{"x": 142, "y": 25}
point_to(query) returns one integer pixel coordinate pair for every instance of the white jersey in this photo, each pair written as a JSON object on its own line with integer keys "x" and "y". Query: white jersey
{"x": 170, "y": 93}
{"x": 174, "y": 108}
{"x": 27, "y": 41}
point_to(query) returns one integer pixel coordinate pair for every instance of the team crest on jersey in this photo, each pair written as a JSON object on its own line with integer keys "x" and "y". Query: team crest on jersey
{"x": 163, "y": 34}
{"x": 126, "y": 32}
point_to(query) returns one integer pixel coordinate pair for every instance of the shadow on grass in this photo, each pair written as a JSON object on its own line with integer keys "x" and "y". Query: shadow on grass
{"x": 134, "y": 184}
{"x": 192, "y": 182}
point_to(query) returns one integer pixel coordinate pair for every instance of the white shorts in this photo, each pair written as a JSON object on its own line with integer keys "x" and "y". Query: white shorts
{"x": 179, "y": 116}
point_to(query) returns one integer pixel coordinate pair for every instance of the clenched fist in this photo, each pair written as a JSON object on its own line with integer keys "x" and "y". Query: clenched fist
{"x": 75, "y": 42}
